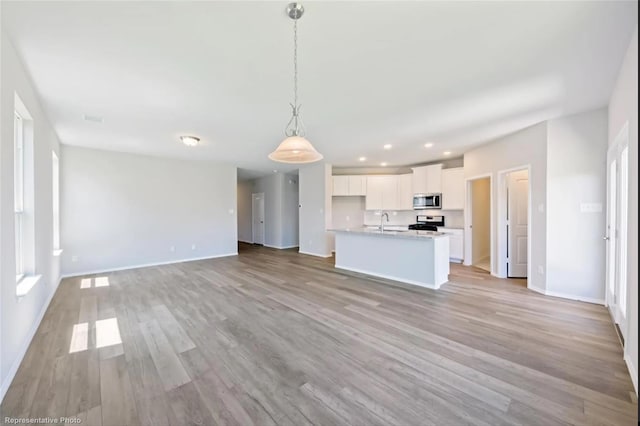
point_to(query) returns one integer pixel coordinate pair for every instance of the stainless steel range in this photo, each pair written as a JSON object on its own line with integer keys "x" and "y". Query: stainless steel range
{"x": 427, "y": 223}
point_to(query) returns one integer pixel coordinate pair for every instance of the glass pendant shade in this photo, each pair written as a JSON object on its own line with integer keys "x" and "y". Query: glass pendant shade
{"x": 297, "y": 150}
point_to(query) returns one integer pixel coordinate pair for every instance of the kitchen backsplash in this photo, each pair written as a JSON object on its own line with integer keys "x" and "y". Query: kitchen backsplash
{"x": 349, "y": 212}
{"x": 452, "y": 218}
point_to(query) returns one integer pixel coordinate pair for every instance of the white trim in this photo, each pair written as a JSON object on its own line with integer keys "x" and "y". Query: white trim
{"x": 281, "y": 247}
{"x": 468, "y": 237}
{"x": 501, "y": 233}
{"x": 146, "y": 265}
{"x": 632, "y": 371}
{"x": 25, "y": 346}
{"x": 314, "y": 254}
{"x": 26, "y": 283}
{"x": 389, "y": 277}
{"x": 566, "y": 296}
{"x": 537, "y": 289}
{"x": 574, "y": 297}
{"x": 244, "y": 241}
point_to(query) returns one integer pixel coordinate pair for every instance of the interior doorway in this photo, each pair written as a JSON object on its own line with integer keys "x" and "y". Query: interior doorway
{"x": 617, "y": 220}
{"x": 479, "y": 223}
{"x": 517, "y": 223}
{"x": 257, "y": 217}
{"x": 513, "y": 254}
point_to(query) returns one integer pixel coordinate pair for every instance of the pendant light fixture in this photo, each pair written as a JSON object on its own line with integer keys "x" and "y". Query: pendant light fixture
{"x": 295, "y": 148}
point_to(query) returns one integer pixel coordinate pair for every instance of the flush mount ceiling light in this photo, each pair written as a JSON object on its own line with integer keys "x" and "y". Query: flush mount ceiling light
{"x": 295, "y": 148}
{"x": 447, "y": 153}
{"x": 428, "y": 145}
{"x": 362, "y": 159}
{"x": 388, "y": 146}
{"x": 190, "y": 140}
{"x": 93, "y": 118}
{"x": 383, "y": 164}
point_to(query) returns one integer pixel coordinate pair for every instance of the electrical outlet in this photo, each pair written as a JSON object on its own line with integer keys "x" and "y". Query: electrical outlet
{"x": 540, "y": 269}
{"x": 172, "y": 249}
{"x": 74, "y": 258}
{"x": 193, "y": 246}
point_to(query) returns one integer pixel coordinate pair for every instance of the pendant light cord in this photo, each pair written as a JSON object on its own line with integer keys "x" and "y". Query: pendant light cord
{"x": 295, "y": 127}
{"x": 295, "y": 63}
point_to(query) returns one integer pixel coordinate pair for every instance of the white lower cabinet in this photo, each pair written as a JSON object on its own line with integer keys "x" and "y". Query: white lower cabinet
{"x": 456, "y": 243}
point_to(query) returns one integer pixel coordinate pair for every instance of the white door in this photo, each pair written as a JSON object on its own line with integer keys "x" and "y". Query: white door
{"x": 257, "y": 209}
{"x": 617, "y": 221}
{"x": 517, "y": 223}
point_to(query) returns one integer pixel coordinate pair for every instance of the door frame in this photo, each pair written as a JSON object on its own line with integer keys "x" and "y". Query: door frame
{"x": 502, "y": 220}
{"x": 614, "y": 152}
{"x": 468, "y": 215}
{"x": 253, "y": 216}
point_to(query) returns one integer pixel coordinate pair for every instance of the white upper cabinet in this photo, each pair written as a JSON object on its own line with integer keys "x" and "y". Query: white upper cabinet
{"x": 349, "y": 185}
{"x": 405, "y": 192}
{"x": 358, "y": 185}
{"x": 453, "y": 189}
{"x": 382, "y": 193}
{"x": 340, "y": 185}
{"x": 427, "y": 179}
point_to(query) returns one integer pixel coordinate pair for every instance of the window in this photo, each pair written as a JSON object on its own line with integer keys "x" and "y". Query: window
{"x": 55, "y": 179}
{"x": 23, "y": 199}
{"x": 18, "y": 193}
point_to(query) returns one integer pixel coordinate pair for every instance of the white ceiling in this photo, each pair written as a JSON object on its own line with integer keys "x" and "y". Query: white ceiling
{"x": 456, "y": 74}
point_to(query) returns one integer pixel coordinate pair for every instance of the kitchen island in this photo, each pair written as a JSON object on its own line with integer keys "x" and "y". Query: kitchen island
{"x": 414, "y": 257}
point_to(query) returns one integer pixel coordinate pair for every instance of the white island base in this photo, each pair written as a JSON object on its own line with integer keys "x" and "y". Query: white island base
{"x": 414, "y": 257}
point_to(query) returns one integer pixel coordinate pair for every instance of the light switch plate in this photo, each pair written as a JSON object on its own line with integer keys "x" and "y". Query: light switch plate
{"x": 590, "y": 207}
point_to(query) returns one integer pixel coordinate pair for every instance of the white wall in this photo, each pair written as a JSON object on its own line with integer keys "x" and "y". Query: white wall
{"x": 290, "y": 211}
{"x": 623, "y": 107}
{"x": 576, "y": 175}
{"x": 124, "y": 210}
{"x": 244, "y": 212}
{"x": 315, "y": 209}
{"x": 271, "y": 186}
{"x": 528, "y": 146}
{"x": 19, "y": 319}
{"x": 348, "y": 212}
{"x": 280, "y": 209}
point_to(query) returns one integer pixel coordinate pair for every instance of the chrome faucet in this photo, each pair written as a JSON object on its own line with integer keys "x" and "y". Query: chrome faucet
{"x": 382, "y": 215}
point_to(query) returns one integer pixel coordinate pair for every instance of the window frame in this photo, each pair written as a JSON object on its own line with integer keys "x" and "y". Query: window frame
{"x": 19, "y": 194}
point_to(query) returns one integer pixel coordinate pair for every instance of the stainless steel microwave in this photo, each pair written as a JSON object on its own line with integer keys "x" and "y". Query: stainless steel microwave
{"x": 427, "y": 201}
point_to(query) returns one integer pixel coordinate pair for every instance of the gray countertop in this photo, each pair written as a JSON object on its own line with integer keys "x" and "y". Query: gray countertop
{"x": 412, "y": 234}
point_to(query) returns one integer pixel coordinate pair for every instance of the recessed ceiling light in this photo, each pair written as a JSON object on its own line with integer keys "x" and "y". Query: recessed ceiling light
{"x": 447, "y": 153}
{"x": 190, "y": 140}
{"x": 428, "y": 145}
{"x": 275, "y": 171}
{"x": 362, "y": 159}
{"x": 388, "y": 146}
{"x": 93, "y": 118}
{"x": 383, "y": 164}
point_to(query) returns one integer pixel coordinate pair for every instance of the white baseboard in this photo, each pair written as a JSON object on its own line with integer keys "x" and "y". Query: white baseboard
{"x": 632, "y": 371}
{"x": 574, "y": 297}
{"x": 536, "y": 289}
{"x": 314, "y": 254}
{"x": 244, "y": 241}
{"x": 389, "y": 277}
{"x": 281, "y": 247}
{"x": 146, "y": 265}
{"x": 565, "y": 296}
{"x": 25, "y": 346}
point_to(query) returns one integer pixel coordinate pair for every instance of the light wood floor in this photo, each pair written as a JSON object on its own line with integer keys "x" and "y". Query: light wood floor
{"x": 274, "y": 337}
